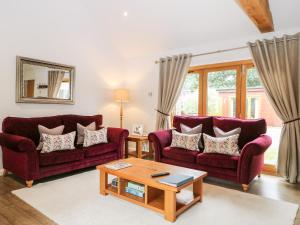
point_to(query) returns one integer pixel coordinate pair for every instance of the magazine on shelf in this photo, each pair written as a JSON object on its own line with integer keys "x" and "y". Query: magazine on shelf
{"x": 134, "y": 192}
{"x": 136, "y": 186}
{"x": 118, "y": 165}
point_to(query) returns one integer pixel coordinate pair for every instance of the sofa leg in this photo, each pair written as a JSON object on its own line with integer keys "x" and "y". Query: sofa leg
{"x": 259, "y": 175}
{"x": 5, "y": 172}
{"x": 245, "y": 187}
{"x": 29, "y": 183}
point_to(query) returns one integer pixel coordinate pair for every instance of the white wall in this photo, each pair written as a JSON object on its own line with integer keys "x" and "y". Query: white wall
{"x": 54, "y": 31}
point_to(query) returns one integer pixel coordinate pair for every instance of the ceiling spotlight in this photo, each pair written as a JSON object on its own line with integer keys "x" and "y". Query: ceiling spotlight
{"x": 125, "y": 13}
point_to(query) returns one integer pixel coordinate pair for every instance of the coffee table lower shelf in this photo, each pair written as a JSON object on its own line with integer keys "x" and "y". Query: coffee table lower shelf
{"x": 168, "y": 203}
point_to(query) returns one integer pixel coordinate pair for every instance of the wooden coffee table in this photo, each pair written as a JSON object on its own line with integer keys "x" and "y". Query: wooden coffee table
{"x": 159, "y": 197}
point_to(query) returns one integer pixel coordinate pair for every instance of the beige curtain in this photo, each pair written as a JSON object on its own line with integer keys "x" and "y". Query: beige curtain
{"x": 278, "y": 62}
{"x": 173, "y": 71}
{"x": 55, "y": 78}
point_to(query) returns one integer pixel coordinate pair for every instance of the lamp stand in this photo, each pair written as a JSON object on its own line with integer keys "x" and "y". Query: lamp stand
{"x": 121, "y": 114}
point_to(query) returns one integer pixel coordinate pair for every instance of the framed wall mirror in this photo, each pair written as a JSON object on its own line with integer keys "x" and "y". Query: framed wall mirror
{"x": 44, "y": 82}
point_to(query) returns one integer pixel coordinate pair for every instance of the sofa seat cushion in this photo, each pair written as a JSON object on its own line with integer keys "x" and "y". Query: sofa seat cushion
{"x": 180, "y": 154}
{"x": 218, "y": 160}
{"x": 100, "y": 149}
{"x": 58, "y": 157}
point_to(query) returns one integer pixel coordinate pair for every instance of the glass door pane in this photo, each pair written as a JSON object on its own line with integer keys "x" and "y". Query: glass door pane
{"x": 187, "y": 103}
{"x": 221, "y": 93}
{"x": 258, "y": 106}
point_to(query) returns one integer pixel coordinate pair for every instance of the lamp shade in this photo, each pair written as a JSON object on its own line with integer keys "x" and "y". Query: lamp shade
{"x": 121, "y": 95}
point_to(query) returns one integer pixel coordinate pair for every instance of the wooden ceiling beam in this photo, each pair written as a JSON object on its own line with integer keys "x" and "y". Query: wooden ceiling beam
{"x": 259, "y": 12}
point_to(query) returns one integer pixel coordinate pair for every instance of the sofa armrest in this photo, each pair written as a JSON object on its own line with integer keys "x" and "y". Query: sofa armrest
{"x": 17, "y": 143}
{"x": 160, "y": 140}
{"x": 252, "y": 158}
{"x": 118, "y": 136}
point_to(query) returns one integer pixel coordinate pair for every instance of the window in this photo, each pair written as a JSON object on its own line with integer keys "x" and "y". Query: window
{"x": 251, "y": 107}
{"x": 221, "y": 92}
{"x": 187, "y": 103}
{"x": 230, "y": 89}
{"x": 64, "y": 91}
{"x": 258, "y": 106}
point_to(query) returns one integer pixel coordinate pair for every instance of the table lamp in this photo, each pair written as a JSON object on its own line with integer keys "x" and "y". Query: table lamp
{"x": 121, "y": 95}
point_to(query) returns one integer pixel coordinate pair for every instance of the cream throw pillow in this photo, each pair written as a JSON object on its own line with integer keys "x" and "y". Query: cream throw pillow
{"x": 190, "y": 130}
{"x": 186, "y": 141}
{"x": 221, "y": 133}
{"x": 80, "y": 131}
{"x": 58, "y": 142}
{"x": 44, "y": 130}
{"x": 94, "y": 137}
{"x": 222, "y": 145}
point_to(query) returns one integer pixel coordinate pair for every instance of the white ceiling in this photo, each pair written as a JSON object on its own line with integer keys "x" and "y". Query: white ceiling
{"x": 152, "y": 26}
{"x": 173, "y": 24}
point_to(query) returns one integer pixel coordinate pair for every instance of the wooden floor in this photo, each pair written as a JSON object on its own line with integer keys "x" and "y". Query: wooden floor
{"x": 14, "y": 211}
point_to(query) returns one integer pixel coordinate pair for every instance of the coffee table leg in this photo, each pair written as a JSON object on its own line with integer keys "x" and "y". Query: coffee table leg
{"x": 198, "y": 189}
{"x": 170, "y": 205}
{"x": 103, "y": 182}
{"x": 139, "y": 149}
{"x": 126, "y": 149}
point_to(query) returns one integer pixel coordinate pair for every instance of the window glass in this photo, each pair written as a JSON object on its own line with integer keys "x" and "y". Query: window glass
{"x": 221, "y": 93}
{"x": 187, "y": 103}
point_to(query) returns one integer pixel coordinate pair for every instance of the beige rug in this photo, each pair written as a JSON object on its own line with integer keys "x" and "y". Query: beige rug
{"x": 75, "y": 200}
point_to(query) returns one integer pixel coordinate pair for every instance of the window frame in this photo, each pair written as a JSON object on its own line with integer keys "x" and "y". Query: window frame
{"x": 241, "y": 69}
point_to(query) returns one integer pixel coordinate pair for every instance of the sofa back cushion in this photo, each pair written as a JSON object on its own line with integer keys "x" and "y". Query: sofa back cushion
{"x": 70, "y": 121}
{"x": 192, "y": 121}
{"x": 28, "y": 127}
{"x": 250, "y": 129}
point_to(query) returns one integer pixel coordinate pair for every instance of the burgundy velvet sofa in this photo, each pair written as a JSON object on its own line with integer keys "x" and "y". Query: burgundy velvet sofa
{"x": 20, "y": 138}
{"x": 253, "y": 142}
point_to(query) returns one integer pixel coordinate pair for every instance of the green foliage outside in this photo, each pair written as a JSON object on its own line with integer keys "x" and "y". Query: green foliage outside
{"x": 219, "y": 80}
{"x": 226, "y": 79}
{"x": 188, "y": 100}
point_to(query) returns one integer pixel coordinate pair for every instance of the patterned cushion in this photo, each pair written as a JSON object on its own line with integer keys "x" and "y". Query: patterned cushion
{"x": 195, "y": 130}
{"x": 221, "y": 133}
{"x": 94, "y": 137}
{"x": 44, "y": 130}
{"x": 222, "y": 145}
{"x": 58, "y": 142}
{"x": 80, "y": 131}
{"x": 186, "y": 141}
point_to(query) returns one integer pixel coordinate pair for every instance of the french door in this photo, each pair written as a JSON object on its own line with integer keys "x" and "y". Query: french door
{"x": 230, "y": 89}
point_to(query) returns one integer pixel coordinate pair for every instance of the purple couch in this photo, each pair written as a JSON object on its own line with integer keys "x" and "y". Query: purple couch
{"x": 241, "y": 169}
{"x": 20, "y": 138}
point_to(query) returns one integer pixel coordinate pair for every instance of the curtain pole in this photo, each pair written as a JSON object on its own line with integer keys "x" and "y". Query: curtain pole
{"x": 230, "y": 49}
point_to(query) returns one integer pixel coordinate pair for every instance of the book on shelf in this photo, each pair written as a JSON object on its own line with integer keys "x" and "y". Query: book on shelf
{"x": 118, "y": 165}
{"x": 136, "y": 186}
{"x": 176, "y": 180}
{"x": 115, "y": 182}
{"x": 134, "y": 192}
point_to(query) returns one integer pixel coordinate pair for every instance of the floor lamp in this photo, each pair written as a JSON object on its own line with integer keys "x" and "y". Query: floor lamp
{"x": 121, "y": 95}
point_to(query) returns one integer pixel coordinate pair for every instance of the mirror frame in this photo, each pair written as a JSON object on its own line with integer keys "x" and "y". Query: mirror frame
{"x": 19, "y": 80}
